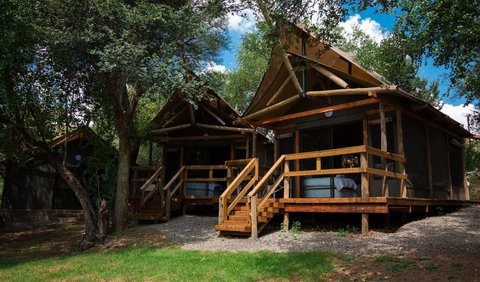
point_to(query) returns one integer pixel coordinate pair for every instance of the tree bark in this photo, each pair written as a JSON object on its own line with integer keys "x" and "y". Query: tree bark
{"x": 120, "y": 220}
{"x": 89, "y": 213}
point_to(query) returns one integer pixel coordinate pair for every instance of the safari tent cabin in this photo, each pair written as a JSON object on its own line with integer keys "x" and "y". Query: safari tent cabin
{"x": 34, "y": 192}
{"x": 346, "y": 141}
{"x": 202, "y": 144}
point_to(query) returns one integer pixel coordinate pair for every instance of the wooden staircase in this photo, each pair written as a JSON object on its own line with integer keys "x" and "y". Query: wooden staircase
{"x": 253, "y": 206}
{"x": 238, "y": 222}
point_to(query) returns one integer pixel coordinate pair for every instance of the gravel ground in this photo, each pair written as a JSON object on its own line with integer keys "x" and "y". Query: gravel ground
{"x": 456, "y": 233}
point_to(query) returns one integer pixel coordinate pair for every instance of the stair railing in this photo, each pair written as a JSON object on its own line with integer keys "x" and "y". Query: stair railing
{"x": 178, "y": 178}
{"x": 225, "y": 209}
{"x": 252, "y": 198}
{"x": 158, "y": 176}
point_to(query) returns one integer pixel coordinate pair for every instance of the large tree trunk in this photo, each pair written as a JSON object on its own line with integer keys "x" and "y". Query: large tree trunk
{"x": 89, "y": 213}
{"x": 123, "y": 175}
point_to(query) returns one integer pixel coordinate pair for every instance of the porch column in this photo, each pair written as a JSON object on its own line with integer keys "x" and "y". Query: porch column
{"x": 254, "y": 142}
{"x": 401, "y": 152}
{"x": 383, "y": 145}
{"x": 275, "y": 147}
{"x": 286, "y": 195}
{"x": 297, "y": 163}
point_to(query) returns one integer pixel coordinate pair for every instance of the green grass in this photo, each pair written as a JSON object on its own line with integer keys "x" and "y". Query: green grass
{"x": 172, "y": 264}
{"x": 393, "y": 264}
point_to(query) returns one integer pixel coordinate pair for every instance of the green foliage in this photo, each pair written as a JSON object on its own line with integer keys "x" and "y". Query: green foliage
{"x": 99, "y": 175}
{"x": 252, "y": 58}
{"x": 172, "y": 264}
{"x": 392, "y": 63}
{"x": 446, "y": 31}
{"x": 472, "y": 162}
{"x": 432, "y": 266}
{"x": 296, "y": 228}
{"x": 346, "y": 230}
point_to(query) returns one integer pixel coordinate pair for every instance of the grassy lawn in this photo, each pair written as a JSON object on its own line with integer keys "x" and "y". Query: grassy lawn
{"x": 171, "y": 264}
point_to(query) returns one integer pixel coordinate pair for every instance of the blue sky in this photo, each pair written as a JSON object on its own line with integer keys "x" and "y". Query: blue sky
{"x": 370, "y": 22}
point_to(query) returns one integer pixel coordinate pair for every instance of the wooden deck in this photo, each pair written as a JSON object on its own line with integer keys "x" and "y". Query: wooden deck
{"x": 365, "y": 205}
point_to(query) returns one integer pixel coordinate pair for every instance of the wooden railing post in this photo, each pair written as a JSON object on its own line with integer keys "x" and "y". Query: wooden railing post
{"x": 184, "y": 190}
{"x": 167, "y": 203}
{"x": 286, "y": 195}
{"x": 365, "y": 176}
{"x": 254, "y": 216}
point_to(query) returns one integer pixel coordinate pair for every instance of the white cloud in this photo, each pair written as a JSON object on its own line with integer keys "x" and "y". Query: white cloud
{"x": 214, "y": 67}
{"x": 369, "y": 26}
{"x": 458, "y": 113}
{"x": 242, "y": 22}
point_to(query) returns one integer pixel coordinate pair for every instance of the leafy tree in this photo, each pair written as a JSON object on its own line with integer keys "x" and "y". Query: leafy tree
{"x": 392, "y": 63}
{"x": 447, "y": 31}
{"x": 252, "y": 59}
{"x": 36, "y": 102}
{"x": 128, "y": 52}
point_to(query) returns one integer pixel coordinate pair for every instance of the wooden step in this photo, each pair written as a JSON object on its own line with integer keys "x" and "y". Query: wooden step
{"x": 233, "y": 227}
{"x": 241, "y": 213}
{"x": 240, "y": 208}
{"x": 238, "y": 217}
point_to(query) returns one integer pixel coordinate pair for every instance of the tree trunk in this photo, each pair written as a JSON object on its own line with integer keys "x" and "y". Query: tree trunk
{"x": 120, "y": 220}
{"x": 91, "y": 231}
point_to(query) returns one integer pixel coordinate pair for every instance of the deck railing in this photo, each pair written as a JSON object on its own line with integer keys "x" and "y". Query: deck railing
{"x": 249, "y": 173}
{"x": 262, "y": 192}
{"x": 154, "y": 182}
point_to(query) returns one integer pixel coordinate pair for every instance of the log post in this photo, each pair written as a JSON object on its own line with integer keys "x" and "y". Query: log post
{"x": 275, "y": 147}
{"x": 401, "y": 152}
{"x": 365, "y": 227}
{"x": 167, "y": 203}
{"x": 253, "y": 217}
{"x": 297, "y": 163}
{"x": 254, "y": 142}
{"x": 286, "y": 195}
{"x": 383, "y": 145}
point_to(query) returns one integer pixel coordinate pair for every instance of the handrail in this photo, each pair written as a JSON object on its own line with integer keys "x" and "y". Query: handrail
{"x": 267, "y": 176}
{"x": 223, "y": 200}
{"x": 155, "y": 176}
{"x": 174, "y": 178}
{"x": 169, "y": 194}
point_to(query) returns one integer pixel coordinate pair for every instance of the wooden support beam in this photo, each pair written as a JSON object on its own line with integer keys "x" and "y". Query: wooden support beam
{"x": 214, "y": 115}
{"x": 254, "y": 142}
{"x": 173, "y": 128}
{"x": 224, "y": 128}
{"x": 206, "y": 137}
{"x": 192, "y": 114}
{"x": 352, "y": 91}
{"x": 337, "y": 80}
{"x": 278, "y": 92}
{"x": 286, "y": 193}
{"x": 383, "y": 145}
{"x": 274, "y": 107}
{"x": 365, "y": 185}
{"x": 401, "y": 152}
{"x": 297, "y": 163}
{"x": 365, "y": 225}
{"x": 429, "y": 161}
{"x": 253, "y": 217}
{"x": 338, "y": 107}
{"x": 247, "y": 147}
{"x": 450, "y": 186}
{"x": 174, "y": 117}
{"x": 275, "y": 147}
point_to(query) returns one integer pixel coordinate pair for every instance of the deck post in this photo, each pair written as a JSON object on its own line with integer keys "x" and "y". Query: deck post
{"x": 401, "y": 152}
{"x": 184, "y": 191}
{"x": 365, "y": 223}
{"x": 286, "y": 195}
{"x": 254, "y": 142}
{"x": 383, "y": 145}
{"x": 365, "y": 176}
{"x": 429, "y": 160}
{"x": 167, "y": 203}
{"x": 275, "y": 147}
{"x": 247, "y": 146}
{"x": 253, "y": 217}
{"x": 297, "y": 163}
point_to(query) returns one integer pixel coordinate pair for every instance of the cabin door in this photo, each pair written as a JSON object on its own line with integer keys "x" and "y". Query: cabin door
{"x": 172, "y": 162}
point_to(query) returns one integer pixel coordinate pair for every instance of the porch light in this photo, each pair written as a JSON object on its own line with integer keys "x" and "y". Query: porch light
{"x": 328, "y": 114}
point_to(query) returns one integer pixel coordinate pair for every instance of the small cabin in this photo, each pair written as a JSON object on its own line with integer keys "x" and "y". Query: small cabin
{"x": 200, "y": 144}
{"x": 346, "y": 141}
{"x": 34, "y": 192}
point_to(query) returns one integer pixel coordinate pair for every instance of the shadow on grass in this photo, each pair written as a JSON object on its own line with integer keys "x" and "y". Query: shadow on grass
{"x": 148, "y": 263}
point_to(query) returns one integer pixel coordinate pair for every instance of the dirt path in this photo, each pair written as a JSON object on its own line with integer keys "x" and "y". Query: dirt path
{"x": 457, "y": 233}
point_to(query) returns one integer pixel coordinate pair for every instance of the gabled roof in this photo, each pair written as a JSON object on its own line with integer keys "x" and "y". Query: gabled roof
{"x": 83, "y": 132}
{"x": 327, "y": 69}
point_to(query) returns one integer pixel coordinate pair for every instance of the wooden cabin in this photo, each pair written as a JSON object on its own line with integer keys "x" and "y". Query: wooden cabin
{"x": 34, "y": 192}
{"x": 346, "y": 141}
{"x": 202, "y": 145}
